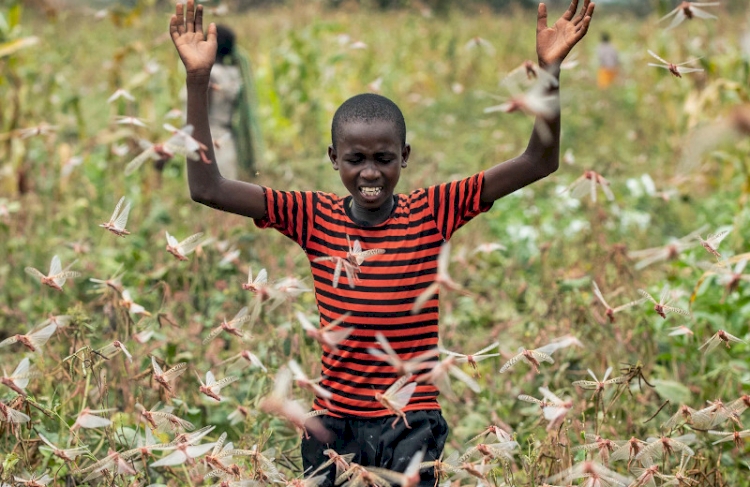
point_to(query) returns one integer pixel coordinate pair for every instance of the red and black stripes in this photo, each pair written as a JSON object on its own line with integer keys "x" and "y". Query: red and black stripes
{"x": 387, "y": 284}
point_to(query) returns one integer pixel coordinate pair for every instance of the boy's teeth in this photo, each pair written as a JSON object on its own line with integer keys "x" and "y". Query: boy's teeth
{"x": 370, "y": 191}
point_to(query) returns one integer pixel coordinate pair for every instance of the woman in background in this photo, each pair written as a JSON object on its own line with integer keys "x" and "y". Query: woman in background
{"x": 236, "y": 138}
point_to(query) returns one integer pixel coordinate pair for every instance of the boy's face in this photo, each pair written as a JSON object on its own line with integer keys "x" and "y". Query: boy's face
{"x": 369, "y": 158}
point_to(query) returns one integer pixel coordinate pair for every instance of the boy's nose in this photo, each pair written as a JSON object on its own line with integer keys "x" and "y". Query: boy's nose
{"x": 370, "y": 172}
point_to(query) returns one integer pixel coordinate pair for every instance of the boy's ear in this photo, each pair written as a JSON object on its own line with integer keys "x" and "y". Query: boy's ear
{"x": 333, "y": 156}
{"x": 405, "y": 152}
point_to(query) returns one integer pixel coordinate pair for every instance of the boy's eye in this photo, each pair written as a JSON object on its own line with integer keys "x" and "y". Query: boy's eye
{"x": 357, "y": 160}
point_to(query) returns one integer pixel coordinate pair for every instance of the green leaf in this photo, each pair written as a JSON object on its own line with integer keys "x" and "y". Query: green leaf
{"x": 14, "y": 15}
{"x": 574, "y": 284}
{"x": 10, "y": 462}
{"x": 4, "y": 28}
{"x": 674, "y": 391}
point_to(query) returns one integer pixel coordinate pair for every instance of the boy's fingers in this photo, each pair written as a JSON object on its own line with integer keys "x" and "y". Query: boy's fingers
{"x": 585, "y": 9}
{"x": 586, "y": 23}
{"x": 190, "y": 19}
{"x": 583, "y": 28}
{"x": 173, "y": 28}
{"x": 590, "y": 11}
{"x": 581, "y": 14}
{"x": 541, "y": 17}
{"x": 211, "y": 34}
{"x": 571, "y": 10}
{"x": 177, "y": 23}
{"x": 199, "y": 19}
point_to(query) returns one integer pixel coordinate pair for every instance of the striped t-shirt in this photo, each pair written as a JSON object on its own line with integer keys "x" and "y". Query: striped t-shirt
{"x": 388, "y": 283}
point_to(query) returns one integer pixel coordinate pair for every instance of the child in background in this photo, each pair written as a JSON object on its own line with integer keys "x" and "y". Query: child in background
{"x": 369, "y": 150}
{"x": 609, "y": 62}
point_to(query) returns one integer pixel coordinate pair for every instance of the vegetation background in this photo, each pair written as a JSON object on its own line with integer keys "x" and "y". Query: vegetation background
{"x": 652, "y": 135}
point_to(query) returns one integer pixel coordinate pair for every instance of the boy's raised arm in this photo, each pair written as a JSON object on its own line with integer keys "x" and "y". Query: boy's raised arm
{"x": 542, "y": 154}
{"x": 198, "y": 53}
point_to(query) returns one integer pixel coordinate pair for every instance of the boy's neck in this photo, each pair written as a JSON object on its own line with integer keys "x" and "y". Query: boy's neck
{"x": 371, "y": 217}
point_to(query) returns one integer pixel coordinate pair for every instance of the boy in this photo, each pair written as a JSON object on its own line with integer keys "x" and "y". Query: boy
{"x": 368, "y": 149}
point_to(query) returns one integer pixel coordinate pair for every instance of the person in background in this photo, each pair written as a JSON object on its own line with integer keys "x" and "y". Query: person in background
{"x": 234, "y": 127}
{"x": 609, "y": 62}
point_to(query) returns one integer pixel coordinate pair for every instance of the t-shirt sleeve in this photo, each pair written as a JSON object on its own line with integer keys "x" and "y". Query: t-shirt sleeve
{"x": 453, "y": 204}
{"x": 289, "y": 212}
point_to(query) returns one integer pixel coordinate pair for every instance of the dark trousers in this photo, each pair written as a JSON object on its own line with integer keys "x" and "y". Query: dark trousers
{"x": 375, "y": 444}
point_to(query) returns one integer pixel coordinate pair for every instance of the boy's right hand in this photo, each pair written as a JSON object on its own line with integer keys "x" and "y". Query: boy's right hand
{"x": 198, "y": 52}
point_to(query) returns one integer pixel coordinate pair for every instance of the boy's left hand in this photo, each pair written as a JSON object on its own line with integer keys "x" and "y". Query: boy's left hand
{"x": 554, "y": 43}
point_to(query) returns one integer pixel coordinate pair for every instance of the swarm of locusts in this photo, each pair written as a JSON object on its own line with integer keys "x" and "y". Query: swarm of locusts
{"x": 134, "y": 377}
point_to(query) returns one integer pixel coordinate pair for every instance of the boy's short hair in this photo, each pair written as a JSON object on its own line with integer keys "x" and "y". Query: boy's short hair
{"x": 368, "y": 107}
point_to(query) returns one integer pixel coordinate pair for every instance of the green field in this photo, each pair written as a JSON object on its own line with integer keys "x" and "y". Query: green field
{"x": 667, "y": 146}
